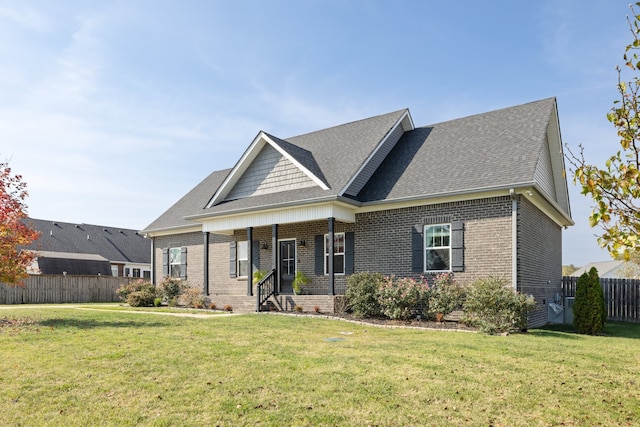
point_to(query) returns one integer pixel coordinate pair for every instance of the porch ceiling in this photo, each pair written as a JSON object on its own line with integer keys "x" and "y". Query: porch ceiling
{"x": 228, "y": 223}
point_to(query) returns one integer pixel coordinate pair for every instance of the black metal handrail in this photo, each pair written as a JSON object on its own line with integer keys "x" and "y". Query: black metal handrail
{"x": 266, "y": 288}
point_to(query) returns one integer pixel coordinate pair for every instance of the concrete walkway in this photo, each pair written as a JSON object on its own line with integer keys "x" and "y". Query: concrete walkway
{"x": 84, "y": 307}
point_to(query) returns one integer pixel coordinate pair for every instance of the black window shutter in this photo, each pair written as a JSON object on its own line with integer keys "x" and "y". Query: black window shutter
{"x": 165, "y": 262}
{"x": 255, "y": 255}
{"x": 457, "y": 246}
{"x": 183, "y": 263}
{"x": 319, "y": 254}
{"x": 232, "y": 259}
{"x": 417, "y": 248}
{"x": 348, "y": 252}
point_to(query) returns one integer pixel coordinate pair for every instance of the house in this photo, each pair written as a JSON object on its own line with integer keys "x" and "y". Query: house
{"x": 85, "y": 249}
{"x": 477, "y": 196}
{"x": 612, "y": 269}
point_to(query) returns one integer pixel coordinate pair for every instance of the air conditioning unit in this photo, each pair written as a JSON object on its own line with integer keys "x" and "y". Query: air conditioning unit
{"x": 555, "y": 313}
{"x": 568, "y": 309}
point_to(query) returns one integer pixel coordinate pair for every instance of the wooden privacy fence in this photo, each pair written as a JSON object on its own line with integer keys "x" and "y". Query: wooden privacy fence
{"x": 621, "y": 296}
{"x": 43, "y": 289}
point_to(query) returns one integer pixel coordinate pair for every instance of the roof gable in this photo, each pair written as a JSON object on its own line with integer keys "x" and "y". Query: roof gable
{"x": 265, "y": 165}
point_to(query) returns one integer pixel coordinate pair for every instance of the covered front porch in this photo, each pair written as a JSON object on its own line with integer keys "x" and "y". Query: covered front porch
{"x": 298, "y": 240}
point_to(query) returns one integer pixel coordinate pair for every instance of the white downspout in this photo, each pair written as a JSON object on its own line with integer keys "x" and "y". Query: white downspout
{"x": 514, "y": 239}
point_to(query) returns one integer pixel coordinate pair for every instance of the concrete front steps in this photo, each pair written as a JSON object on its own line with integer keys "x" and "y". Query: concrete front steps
{"x": 284, "y": 302}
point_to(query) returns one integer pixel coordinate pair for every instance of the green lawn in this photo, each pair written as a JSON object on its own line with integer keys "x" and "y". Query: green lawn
{"x": 82, "y": 367}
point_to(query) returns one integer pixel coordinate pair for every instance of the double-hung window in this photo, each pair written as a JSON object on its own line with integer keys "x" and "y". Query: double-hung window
{"x": 242, "y": 259}
{"x": 338, "y": 253}
{"x": 437, "y": 247}
{"x": 175, "y": 262}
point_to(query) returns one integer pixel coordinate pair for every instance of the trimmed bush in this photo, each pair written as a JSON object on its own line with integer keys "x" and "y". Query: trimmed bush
{"x": 446, "y": 296}
{"x": 170, "y": 288}
{"x": 589, "y": 309}
{"x": 402, "y": 299}
{"x": 192, "y": 297}
{"x": 142, "y": 298}
{"x": 495, "y": 308}
{"x": 139, "y": 285}
{"x": 362, "y": 294}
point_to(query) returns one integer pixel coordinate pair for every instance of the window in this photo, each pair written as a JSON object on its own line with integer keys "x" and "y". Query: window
{"x": 437, "y": 249}
{"x": 136, "y": 272}
{"x": 242, "y": 259}
{"x": 175, "y": 262}
{"x": 338, "y": 253}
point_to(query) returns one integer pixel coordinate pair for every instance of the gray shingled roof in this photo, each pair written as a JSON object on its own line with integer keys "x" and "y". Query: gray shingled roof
{"x": 191, "y": 203}
{"x": 113, "y": 243}
{"x": 490, "y": 150}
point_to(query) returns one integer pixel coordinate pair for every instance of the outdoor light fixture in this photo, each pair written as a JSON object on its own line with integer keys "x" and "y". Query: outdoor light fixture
{"x": 264, "y": 246}
{"x": 303, "y": 243}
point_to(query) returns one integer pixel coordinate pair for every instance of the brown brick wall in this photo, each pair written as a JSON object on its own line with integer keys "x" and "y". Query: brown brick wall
{"x": 539, "y": 258}
{"x": 383, "y": 239}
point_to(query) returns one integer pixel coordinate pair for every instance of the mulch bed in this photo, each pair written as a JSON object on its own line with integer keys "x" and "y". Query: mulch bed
{"x": 387, "y": 323}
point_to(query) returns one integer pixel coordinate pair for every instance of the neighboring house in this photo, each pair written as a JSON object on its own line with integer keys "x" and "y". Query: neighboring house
{"x": 478, "y": 196}
{"x": 85, "y": 249}
{"x": 611, "y": 269}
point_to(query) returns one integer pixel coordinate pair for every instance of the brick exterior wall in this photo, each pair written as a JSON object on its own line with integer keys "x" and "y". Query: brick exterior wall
{"x": 383, "y": 239}
{"x": 383, "y": 243}
{"x": 539, "y": 258}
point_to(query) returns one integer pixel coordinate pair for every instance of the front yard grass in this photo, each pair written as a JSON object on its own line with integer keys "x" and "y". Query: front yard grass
{"x": 85, "y": 367}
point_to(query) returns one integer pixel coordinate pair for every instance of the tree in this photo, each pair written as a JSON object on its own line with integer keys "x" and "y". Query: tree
{"x": 14, "y": 232}
{"x": 568, "y": 269}
{"x": 615, "y": 189}
{"x": 589, "y": 309}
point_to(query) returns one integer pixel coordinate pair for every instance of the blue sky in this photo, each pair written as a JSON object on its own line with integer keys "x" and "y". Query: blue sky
{"x": 113, "y": 110}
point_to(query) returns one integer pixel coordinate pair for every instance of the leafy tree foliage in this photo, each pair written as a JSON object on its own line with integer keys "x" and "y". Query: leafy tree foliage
{"x": 568, "y": 269}
{"x": 589, "y": 309}
{"x": 615, "y": 189}
{"x": 14, "y": 232}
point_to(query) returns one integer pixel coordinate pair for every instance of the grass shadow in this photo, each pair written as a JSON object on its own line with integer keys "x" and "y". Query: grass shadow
{"x": 611, "y": 329}
{"x": 93, "y": 323}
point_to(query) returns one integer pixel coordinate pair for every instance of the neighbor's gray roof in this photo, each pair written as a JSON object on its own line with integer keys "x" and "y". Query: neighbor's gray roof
{"x": 113, "y": 243}
{"x": 484, "y": 151}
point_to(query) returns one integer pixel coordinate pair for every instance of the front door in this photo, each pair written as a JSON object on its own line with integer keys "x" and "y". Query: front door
{"x": 287, "y": 265}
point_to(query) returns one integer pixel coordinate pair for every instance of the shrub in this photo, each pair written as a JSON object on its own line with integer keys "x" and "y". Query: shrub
{"x": 212, "y": 306}
{"x": 401, "y": 299}
{"x": 494, "y": 308}
{"x": 316, "y": 309}
{"x": 362, "y": 294}
{"x": 446, "y": 296}
{"x": 170, "y": 288}
{"x": 157, "y": 302}
{"x": 340, "y": 304}
{"x": 298, "y": 308}
{"x": 589, "y": 309}
{"x": 191, "y": 297}
{"x": 139, "y": 285}
{"x": 142, "y": 298}
{"x": 228, "y": 307}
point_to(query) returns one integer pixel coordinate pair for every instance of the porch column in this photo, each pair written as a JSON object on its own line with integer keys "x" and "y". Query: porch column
{"x": 205, "y": 272}
{"x": 274, "y": 255}
{"x": 153, "y": 261}
{"x": 250, "y": 256}
{"x": 331, "y": 290}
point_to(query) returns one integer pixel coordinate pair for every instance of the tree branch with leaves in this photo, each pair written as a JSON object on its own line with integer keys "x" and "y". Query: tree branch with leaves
{"x": 14, "y": 232}
{"x": 615, "y": 189}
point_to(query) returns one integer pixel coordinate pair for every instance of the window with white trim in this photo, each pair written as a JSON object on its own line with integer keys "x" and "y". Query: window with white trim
{"x": 242, "y": 259}
{"x": 338, "y": 253}
{"x": 175, "y": 262}
{"x": 437, "y": 247}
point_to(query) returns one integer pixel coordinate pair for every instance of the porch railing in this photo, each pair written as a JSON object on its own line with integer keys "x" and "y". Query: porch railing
{"x": 265, "y": 288}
